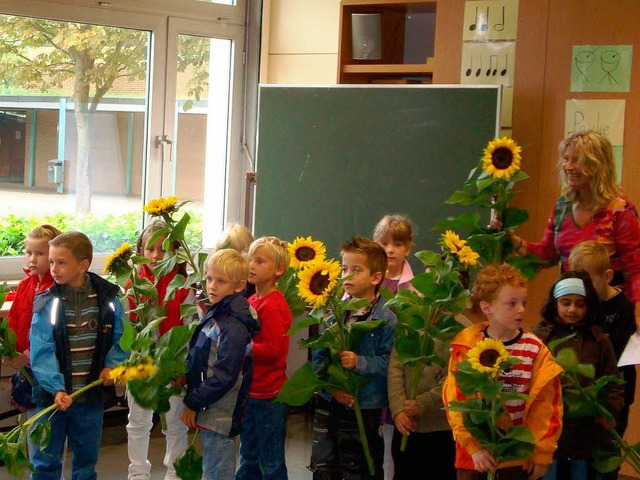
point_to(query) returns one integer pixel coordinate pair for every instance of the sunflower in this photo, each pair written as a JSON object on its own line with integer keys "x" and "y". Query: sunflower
{"x": 122, "y": 374}
{"x": 501, "y": 158}
{"x": 317, "y": 281}
{"x": 117, "y": 374}
{"x": 452, "y": 241}
{"x": 488, "y": 355}
{"x": 118, "y": 259}
{"x": 467, "y": 257}
{"x": 303, "y": 251}
{"x": 161, "y": 206}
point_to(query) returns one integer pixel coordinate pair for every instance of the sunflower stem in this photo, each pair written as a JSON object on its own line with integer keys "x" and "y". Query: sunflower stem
{"x": 363, "y": 437}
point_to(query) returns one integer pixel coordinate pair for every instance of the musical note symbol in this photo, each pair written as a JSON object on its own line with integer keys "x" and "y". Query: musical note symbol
{"x": 480, "y": 20}
{"x": 470, "y": 69}
{"x": 495, "y": 69}
{"x": 485, "y": 25}
{"x": 479, "y": 68}
{"x": 506, "y": 65}
{"x": 472, "y": 27}
{"x": 498, "y": 27}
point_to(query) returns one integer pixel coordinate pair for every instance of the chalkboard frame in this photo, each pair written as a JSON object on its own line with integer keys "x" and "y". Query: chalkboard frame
{"x": 328, "y": 156}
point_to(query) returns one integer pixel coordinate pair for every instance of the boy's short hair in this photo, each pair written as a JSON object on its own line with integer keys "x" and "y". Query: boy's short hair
{"x": 276, "y": 247}
{"x": 589, "y": 255}
{"x": 235, "y": 236}
{"x": 374, "y": 254}
{"x": 491, "y": 279}
{"x": 77, "y": 242}
{"x": 230, "y": 262}
{"x": 44, "y": 231}
{"x": 399, "y": 228}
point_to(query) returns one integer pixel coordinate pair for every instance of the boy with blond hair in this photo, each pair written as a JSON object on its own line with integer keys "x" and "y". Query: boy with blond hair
{"x": 337, "y": 450}
{"x": 263, "y": 436}
{"x": 220, "y": 364}
{"x": 75, "y": 340}
{"x": 619, "y": 318}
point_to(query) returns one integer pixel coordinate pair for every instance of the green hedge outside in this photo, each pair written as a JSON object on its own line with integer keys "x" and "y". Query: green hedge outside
{"x": 107, "y": 232}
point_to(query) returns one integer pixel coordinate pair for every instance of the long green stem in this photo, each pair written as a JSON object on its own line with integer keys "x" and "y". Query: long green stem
{"x": 363, "y": 437}
{"x": 415, "y": 372}
{"x": 51, "y": 408}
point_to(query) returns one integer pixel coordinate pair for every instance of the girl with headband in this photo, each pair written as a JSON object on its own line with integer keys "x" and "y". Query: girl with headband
{"x": 572, "y": 308}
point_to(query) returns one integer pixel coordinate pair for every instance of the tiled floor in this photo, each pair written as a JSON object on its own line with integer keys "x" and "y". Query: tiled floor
{"x": 113, "y": 461}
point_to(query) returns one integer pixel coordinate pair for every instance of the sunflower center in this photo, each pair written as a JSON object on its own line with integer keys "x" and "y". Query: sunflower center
{"x": 502, "y": 158}
{"x": 305, "y": 254}
{"x": 319, "y": 283}
{"x": 489, "y": 357}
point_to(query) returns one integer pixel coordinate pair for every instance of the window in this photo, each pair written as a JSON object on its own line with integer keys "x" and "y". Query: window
{"x": 101, "y": 112}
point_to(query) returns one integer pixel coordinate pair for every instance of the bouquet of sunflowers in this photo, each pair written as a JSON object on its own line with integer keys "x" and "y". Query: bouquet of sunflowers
{"x": 426, "y": 315}
{"x": 154, "y": 362}
{"x": 484, "y": 410}
{"x": 317, "y": 282}
{"x": 490, "y": 186}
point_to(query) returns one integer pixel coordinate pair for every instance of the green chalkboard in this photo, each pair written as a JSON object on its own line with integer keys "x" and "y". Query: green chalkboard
{"x": 332, "y": 160}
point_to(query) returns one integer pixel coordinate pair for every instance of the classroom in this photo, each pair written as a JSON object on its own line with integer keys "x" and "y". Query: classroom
{"x": 251, "y": 111}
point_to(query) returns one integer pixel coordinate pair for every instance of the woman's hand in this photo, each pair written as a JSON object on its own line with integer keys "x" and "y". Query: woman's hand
{"x": 519, "y": 246}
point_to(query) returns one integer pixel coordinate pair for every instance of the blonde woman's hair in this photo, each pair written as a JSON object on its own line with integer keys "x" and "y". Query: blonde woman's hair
{"x": 77, "y": 242}
{"x": 230, "y": 262}
{"x": 44, "y": 231}
{"x": 589, "y": 255}
{"x": 398, "y": 228}
{"x": 595, "y": 154}
{"x": 276, "y": 248}
{"x": 235, "y": 236}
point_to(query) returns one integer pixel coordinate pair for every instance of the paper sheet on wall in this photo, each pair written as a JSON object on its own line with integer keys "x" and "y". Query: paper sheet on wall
{"x": 631, "y": 353}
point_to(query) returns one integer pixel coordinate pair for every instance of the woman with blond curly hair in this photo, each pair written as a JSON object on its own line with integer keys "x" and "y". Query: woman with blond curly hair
{"x": 592, "y": 206}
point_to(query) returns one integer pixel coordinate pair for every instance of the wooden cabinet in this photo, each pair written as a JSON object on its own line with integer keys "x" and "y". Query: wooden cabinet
{"x": 407, "y": 42}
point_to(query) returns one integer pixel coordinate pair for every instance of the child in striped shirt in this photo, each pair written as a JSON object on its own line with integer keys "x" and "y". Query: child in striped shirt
{"x": 500, "y": 293}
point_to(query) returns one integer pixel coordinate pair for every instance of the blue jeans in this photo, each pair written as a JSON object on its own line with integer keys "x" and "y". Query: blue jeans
{"x": 82, "y": 424}
{"x": 218, "y": 456}
{"x": 577, "y": 469}
{"x": 262, "y": 441}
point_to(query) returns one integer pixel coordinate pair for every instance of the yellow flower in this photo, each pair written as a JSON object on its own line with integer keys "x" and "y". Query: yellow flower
{"x": 117, "y": 374}
{"x": 123, "y": 374}
{"x": 120, "y": 257}
{"x": 488, "y": 355}
{"x": 467, "y": 256}
{"x": 452, "y": 241}
{"x": 161, "y": 206}
{"x": 317, "y": 281}
{"x": 501, "y": 158}
{"x": 304, "y": 251}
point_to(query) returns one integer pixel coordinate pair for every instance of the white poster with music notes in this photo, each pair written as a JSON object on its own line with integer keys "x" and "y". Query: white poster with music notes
{"x": 488, "y": 63}
{"x": 489, "y": 48}
{"x": 487, "y": 21}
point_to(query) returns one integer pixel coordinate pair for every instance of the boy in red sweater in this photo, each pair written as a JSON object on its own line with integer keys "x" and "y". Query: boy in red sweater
{"x": 263, "y": 435}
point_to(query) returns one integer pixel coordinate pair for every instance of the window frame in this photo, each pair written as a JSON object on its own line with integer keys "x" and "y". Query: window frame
{"x": 156, "y": 16}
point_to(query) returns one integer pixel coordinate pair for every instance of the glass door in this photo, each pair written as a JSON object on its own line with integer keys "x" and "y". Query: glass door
{"x": 203, "y": 113}
{"x": 158, "y": 112}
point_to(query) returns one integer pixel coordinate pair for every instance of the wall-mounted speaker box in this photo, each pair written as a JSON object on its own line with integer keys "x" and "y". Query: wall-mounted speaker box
{"x": 366, "y": 36}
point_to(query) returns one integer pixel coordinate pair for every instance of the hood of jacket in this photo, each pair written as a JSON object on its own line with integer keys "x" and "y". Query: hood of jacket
{"x": 237, "y": 306}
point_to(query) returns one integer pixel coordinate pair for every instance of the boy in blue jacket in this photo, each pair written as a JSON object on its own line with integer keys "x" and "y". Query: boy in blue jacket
{"x": 337, "y": 451}
{"x": 220, "y": 364}
{"x": 75, "y": 335}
